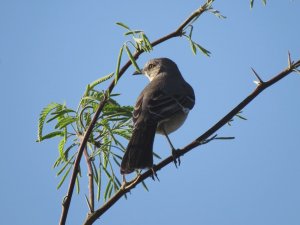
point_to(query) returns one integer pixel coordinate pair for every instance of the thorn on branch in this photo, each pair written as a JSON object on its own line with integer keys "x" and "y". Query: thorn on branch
{"x": 89, "y": 204}
{"x": 260, "y": 81}
{"x": 289, "y": 60}
{"x": 297, "y": 71}
{"x": 215, "y": 137}
{"x": 154, "y": 174}
{"x": 207, "y": 140}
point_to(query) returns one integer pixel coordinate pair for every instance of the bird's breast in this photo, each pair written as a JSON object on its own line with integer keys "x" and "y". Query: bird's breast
{"x": 172, "y": 123}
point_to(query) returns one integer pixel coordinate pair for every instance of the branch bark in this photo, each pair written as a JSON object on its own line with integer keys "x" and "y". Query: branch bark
{"x": 178, "y": 32}
{"x": 91, "y": 201}
{"x": 292, "y": 67}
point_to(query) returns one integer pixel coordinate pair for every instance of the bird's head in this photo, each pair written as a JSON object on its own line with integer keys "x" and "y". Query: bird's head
{"x": 157, "y": 66}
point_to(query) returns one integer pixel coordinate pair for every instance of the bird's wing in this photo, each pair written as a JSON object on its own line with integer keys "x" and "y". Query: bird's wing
{"x": 138, "y": 108}
{"x": 161, "y": 105}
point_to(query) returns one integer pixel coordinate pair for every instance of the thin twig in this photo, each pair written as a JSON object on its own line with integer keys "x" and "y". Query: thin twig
{"x": 68, "y": 197}
{"x": 176, "y": 33}
{"x": 91, "y": 180}
{"x": 198, "y": 141}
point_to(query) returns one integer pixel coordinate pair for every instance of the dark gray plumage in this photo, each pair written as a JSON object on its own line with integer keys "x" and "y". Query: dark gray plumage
{"x": 162, "y": 107}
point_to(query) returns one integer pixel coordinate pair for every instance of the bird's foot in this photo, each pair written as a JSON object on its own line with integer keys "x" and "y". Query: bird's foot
{"x": 129, "y": 184}
{"x": 176, "y": 158}
{"x": 124, "y": 182}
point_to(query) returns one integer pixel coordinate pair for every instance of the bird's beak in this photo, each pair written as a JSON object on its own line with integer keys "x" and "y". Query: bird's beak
{"x": 138, "y": 72}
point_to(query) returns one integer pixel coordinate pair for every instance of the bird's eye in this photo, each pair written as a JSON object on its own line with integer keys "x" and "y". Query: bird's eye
{"x": 151, "y": 66}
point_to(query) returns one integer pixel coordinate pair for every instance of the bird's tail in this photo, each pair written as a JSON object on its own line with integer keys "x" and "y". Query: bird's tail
{"x": 139, "y": 152}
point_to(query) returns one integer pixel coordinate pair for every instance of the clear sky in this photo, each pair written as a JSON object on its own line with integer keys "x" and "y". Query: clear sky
{"x": 49, "y": 52}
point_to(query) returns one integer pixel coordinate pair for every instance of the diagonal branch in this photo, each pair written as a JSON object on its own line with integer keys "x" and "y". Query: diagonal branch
{"x": 198, "y": 141}
{"x": 178, "y": 32}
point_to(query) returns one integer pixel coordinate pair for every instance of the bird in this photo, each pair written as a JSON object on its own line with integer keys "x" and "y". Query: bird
{"x": 162, "y": 107}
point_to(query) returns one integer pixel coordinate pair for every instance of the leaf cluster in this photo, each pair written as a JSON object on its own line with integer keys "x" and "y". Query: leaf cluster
{"x": 140, "y": 42}
{"x": 195, "y": 46}
{"x": 189, "y": 29}
{"x": 104, "y": 145}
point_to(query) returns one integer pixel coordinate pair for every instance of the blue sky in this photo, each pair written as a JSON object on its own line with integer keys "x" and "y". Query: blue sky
{"x": 49, "y": 52}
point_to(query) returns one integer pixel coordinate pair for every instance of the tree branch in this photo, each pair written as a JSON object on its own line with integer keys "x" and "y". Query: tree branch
{"x": 178, "y": 32}
{"x": 198, "y": 141}
{"x": 91, "y": 200}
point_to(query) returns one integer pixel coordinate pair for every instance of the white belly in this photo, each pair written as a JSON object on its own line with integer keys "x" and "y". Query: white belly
{"x": 171, "y": 124}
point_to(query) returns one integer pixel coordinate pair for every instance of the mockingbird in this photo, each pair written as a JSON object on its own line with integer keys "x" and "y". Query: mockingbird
{"x": 162, "y": 107}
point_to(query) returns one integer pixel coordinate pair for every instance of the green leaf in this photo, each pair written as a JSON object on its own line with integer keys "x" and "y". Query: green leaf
{"x": 147, "y": 42}
{"x": 113, "y": 95}
{"x": 217, "y": 14}
{"x": 64, "y": 166}
{"x": 118, "y": 64}
{"x": 264, "y": 2}
{"x": 94, "y": 170}
{"x": 116, "y": 161}
{"x": 63, "y": 111}
{"x": 65, "y": 122}
{"x": 63, "y": 178}
{"x": 191, "y": 31}
{"x": 44, "y": 113}
{"x": 100, "y": 80}
{"x": 193, "y": 47}
{"x": 113, "y": 138}
{"x": 99, "y": 184}
{"x": 57, "y": 162}
{"x": 140, "y": 44}
{"x": 112, "y": 102}
{"x": 105, "y": 157}
{"x": 112, "y": 109}
{"x": 132, "y": 59}
{"x": 107, "y": 190}
{"x": 51, "y": 135}
{"x": 106, "y": 172}
{"x": 117, "y": 119}
{"x": 122, "y": 133}
{"x": 116, "y": 155}
{"x": 117, "y": 184}
{"x": 65, "y": 134}
{"x": 203, "y": 50}
{"x": 68, "y": 149}
{"x": 138, "y": 41}
{"x": 61, "y": 146}
{"x": 60, "y": 113}
{"x": 77, "y": 184}
{"x": 92, "y": 98}
{"x": 133, "y": 32}
{"x": 110, "y": 191}
{"x": 123, "y": 25}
